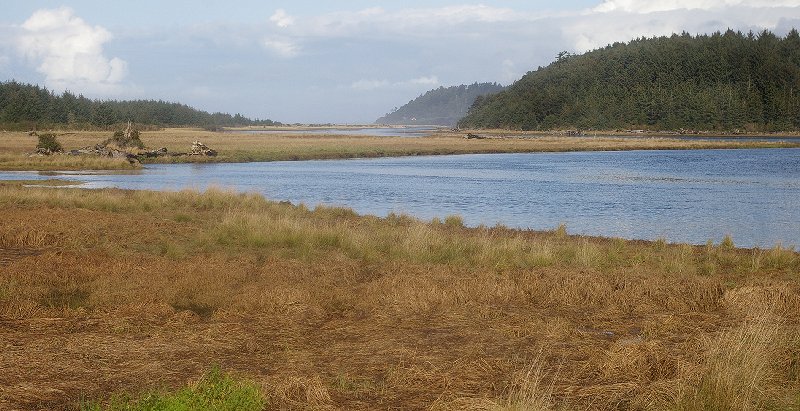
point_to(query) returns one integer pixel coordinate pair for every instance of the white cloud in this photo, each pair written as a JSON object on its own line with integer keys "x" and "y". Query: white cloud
{"x": 281, "y": 18}
{"x": 425, "y": 81}
{"x": 69, "y": 52}
{"x": 368, "y": 85}
{"x": 410, "y": 22}
{"x": 282, "y": 47}
{"x": 460, "y": 14}
{"x": 650, "y": 6}
{"x": 371, "y": 84}
{"x": 646, "y": 18}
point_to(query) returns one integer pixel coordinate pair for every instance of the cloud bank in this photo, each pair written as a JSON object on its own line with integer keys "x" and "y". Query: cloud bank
{"x": 651, "y": 6}
{"x": 69, "y": 52}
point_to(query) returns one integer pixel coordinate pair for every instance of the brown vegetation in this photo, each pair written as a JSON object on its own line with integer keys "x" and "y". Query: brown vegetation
{"x": 235, "y": 147}
{"x": 108, "y": 292}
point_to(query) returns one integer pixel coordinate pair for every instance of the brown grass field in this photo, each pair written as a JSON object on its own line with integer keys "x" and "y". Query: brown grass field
{"x": 109, "y": 292}
{"x": 271, "y": 147}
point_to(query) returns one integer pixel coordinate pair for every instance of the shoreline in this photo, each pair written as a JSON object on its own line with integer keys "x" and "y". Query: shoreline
{"x": 242, "y": 148}
{"x": 366, "y": 310}
{"x": 54, "y": 182}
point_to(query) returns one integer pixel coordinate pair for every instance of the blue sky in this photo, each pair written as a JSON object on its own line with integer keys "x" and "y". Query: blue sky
{"x": 341, "y": 62}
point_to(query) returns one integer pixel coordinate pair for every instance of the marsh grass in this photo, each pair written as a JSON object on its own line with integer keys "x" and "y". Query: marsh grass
{"x": 280, "y": 147}
{"x": 742, "y": 365}
{"x": 529, "y": 392}
{"x": 51, "y": 182}
{"x": 216, "y": 391}
{"x": 26, "y": 239}
{"x": 328, "y": 309}
{"x": 62, "y": 162}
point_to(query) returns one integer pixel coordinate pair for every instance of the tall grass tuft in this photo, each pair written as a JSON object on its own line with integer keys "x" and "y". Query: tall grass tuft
{"x": 454, "y": 221}
{"x": 529, "y": 393}
{"x": 739, "y": 367}
{"x": 561, "y": 231}
{"x": 727, "y": 242}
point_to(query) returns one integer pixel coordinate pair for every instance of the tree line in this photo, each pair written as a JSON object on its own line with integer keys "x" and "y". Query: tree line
{"x": 724, "y": 81}
{"x": 25, "y": 106}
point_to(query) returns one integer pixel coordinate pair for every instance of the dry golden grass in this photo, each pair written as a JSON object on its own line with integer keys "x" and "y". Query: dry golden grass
{"x": 112, "y": 291}
{"x": 234, "y": 147}
{"x": 62, "y": 162}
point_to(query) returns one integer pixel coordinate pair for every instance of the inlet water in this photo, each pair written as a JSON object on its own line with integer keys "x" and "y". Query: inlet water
{"x": 681, "y": 196}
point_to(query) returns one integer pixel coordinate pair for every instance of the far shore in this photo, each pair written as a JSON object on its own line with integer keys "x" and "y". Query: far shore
{"x": 15, "y": 147}
{"x": 523, "y": 133}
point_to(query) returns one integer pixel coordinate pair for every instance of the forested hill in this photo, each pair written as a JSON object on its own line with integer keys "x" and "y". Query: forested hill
{"x": 442, "y": 106}
{"x": 710, "y": 82}
{"x": 28, "y": 106}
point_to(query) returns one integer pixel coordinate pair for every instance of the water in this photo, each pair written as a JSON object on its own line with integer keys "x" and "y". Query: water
{"x": 405, "y": 131}
{"x": 682, "y": 196}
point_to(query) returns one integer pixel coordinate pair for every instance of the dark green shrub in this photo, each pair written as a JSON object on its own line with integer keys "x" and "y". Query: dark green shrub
{"x": 120, "y": 140}
{"x": 48, "y": 142}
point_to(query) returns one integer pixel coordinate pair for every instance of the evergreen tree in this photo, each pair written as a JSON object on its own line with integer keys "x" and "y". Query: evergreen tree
{"x": 28, "y": 106}
{"x": 722, "y": 81}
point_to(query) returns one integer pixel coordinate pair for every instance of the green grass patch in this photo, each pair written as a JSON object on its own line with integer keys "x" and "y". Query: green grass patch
{"x": 216, "y": 391}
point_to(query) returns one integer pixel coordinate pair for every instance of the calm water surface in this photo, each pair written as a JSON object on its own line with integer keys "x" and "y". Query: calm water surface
{"x": 683, "y": 196}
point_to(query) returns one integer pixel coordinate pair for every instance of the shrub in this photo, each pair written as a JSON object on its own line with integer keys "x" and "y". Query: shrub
{"x": 727, "y": 242}
{"x": 454, "y": 221}
{"x": 120, "y": 140}
{"x": 213, "y": 128}
{"x": 48, "y": 142}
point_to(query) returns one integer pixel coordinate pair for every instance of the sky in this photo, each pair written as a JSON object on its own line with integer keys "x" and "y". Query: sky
{"x": 329, "y": 61}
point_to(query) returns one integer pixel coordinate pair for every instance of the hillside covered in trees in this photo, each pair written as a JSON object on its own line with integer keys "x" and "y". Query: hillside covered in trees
{"x": 441, "y": 106}
{"x": 25, "y": 106}
{"x": 724, "y": 81}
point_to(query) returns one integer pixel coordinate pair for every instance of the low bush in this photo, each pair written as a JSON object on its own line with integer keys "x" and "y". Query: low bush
{"x": 48, "y": 142}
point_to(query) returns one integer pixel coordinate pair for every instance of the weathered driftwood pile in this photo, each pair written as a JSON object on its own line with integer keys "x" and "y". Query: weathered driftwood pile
{"x": 200, "y": 149}
{"x": 44, "y": 151}
{"x": 123, "y": 145}
{"x": 105, "y": 151}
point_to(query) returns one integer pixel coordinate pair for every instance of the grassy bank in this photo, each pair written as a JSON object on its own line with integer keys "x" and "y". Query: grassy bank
{"x": 234, "y": 147}
{"x": 10, "y": 162}
{"x": 116, "y": 293}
